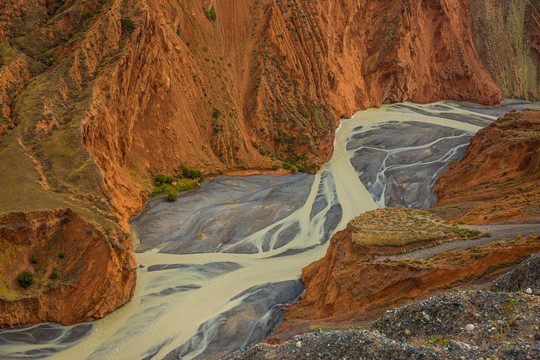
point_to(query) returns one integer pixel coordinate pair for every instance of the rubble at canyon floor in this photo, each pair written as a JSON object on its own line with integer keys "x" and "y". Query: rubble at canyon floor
{"x": 457, "y": 325}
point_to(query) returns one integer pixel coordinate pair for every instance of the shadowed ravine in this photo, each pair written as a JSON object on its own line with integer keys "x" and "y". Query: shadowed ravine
{"x": 221, "y": 260}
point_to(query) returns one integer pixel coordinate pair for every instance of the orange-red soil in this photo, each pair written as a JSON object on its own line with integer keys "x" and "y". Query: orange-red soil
{"x": 499, "y": 177}
{"x": 83, "y": 256}
{"x": 348, "y": 287}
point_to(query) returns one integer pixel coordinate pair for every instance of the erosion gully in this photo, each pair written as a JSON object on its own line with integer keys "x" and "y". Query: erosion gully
{"x": 223, "y": 259}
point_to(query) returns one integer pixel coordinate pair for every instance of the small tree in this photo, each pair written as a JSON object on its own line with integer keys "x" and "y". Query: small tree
{"x": 25, "y": 279}
{"x": 172, "y": 195}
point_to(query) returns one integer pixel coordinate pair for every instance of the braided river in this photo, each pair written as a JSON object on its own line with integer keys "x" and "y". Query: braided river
{"x": 223, "y": 259}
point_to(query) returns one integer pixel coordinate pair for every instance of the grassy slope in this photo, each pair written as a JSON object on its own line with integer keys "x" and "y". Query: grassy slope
{"x": 51, "y": 169}
{"x": 399, "y": 226}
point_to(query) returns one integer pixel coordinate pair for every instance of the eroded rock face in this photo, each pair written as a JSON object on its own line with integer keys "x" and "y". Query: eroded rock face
{"x": 358, "y": 279}
{"x": 95, "y": 273}
{"x": 513, "y": 27}
{"x": 499, "y": 177}
{"x": 279, "y": 75}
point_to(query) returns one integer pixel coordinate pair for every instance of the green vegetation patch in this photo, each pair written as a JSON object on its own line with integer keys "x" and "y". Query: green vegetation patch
{"x": 43, "y": 169}
{"x": 187, "y": 172}
{"x": 187, "y": 178}
{"x": 401, "y": 226}
{"x": 5, "y": 291}
{"x": 25, "y": 279}
{"x": 210, "y": 13}
{"x": 128, "y": 26}
{"x": 54, "y": 274}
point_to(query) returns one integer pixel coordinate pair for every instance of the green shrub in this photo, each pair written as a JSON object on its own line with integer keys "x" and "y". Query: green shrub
{"x": 34, "y": 259}
{"x": 161, "y": 179}
{"x": 216, "y": 113}
{"x": 127, "y": 25}
{"x": 49, "y": 61}
{"x": 61, "y": 255}
{"x": 25, "y": 279}
{"x": 288, "y": 166}
{"x": 183, "y": 185}
{"x": 54, "y": 274}
{"x": 301, "y": 166}
{"x": 210, "y": 13}
{"x": 186, "y": 179}
{"x": 172, "y": 195}
{"x": 218, "y": 128}
{"x": 189, "y": 172}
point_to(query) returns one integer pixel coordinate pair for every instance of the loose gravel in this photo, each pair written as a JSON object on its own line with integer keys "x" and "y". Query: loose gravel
{"x": 483, "y": 325}
{"x": 523, "y": 277}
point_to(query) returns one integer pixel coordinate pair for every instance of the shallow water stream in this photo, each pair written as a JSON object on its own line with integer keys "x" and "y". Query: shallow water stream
{"x": 222, "y": 259}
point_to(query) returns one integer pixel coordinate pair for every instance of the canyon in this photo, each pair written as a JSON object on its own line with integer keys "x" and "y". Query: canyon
{"x": 96, "y": 95}
{"x": 222, "y": 264}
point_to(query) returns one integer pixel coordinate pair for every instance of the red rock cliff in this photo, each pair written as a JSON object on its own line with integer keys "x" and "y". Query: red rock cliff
{"x": 499, "y": 177}
{"x": 79, "y": 273}
{"x": 352, "y": 283}
{"x": 279, "y": 75}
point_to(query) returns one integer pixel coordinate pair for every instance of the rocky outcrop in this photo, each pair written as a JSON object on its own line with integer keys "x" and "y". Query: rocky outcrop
{"x": 79, "y": 273}
{"x": 157, "y": 84}
{"x": 499, "y": 177}
{"x": 357, "y": 280}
